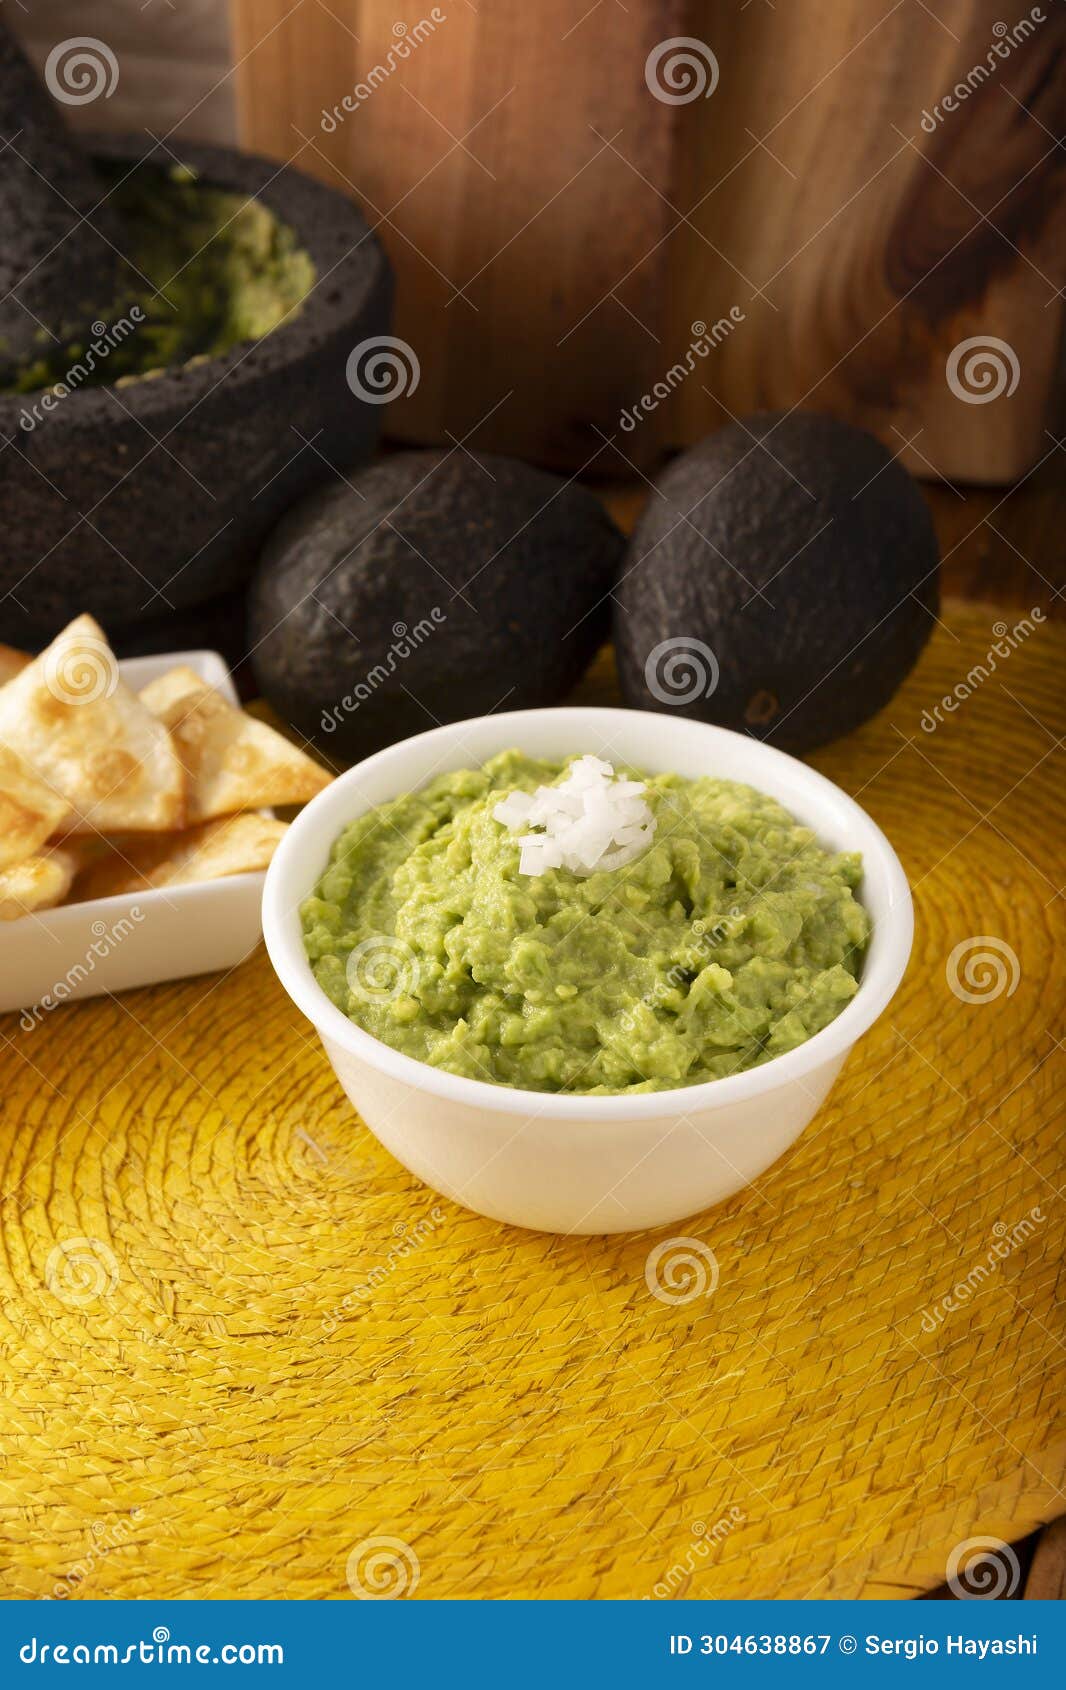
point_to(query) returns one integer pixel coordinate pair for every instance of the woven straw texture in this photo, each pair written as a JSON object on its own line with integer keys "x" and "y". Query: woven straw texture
{"x": 238, "y": 1340}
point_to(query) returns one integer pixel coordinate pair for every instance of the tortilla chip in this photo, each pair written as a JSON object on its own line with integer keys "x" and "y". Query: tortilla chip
{"x": 91, "y": 739}
{"x": 233, "y": 845}
{"x": 29, "y": 809}
{"x": 11, "y": 661}
{"x": 39, "y": 883}
{"x": 233, "y": 761}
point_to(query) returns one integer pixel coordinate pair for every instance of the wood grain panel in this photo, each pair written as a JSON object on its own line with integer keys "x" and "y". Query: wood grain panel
{"x": 520, "y": 236}
{"x": 863, "y": 246}
{"x": 558, "y": 230}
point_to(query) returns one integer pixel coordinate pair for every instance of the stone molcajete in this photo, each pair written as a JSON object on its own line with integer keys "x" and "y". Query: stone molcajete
{"x": 155, "y": 492}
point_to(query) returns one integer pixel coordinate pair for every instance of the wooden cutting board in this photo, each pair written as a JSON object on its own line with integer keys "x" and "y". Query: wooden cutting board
{"x": 237, "y": 1340}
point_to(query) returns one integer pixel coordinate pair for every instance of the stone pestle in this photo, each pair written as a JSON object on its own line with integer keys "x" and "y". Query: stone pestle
{"x": 61, "y": 260}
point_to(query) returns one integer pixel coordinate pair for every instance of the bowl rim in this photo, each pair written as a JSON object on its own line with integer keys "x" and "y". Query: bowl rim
{"x": 329, "y": 226}
{"x": 877, "y": 986}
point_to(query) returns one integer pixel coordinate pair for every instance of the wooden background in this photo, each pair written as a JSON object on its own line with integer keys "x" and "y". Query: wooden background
{"x": 557, "y": 230}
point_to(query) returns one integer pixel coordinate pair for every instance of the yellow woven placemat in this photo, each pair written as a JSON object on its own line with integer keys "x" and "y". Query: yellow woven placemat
{"x": 238, "y": 1340}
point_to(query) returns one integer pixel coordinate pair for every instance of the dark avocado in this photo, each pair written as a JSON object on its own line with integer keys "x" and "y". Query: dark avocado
{"x": 782, "y": 581}
{"x": 430, "y": 588}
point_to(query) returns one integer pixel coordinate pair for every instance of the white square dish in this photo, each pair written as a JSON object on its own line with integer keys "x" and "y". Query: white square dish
{"x": 134, "y": 939}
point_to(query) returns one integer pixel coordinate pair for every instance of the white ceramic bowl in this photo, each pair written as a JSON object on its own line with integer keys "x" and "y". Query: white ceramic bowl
{"x": 586, "y": 1164}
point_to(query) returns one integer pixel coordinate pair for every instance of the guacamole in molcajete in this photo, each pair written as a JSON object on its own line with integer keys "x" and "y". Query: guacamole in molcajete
{"x": 208, "y": 269}
{"x": 731, "y": 937}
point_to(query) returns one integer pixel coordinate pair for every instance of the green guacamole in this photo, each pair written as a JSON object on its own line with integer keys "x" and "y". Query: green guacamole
{"x": 225, "y": 268}
{"x": 733, "y": 938}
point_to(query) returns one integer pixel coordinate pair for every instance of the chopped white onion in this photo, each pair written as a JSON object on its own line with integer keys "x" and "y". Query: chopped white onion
{"x": 592, "y": 820}
{"x": 514, "y": 810}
